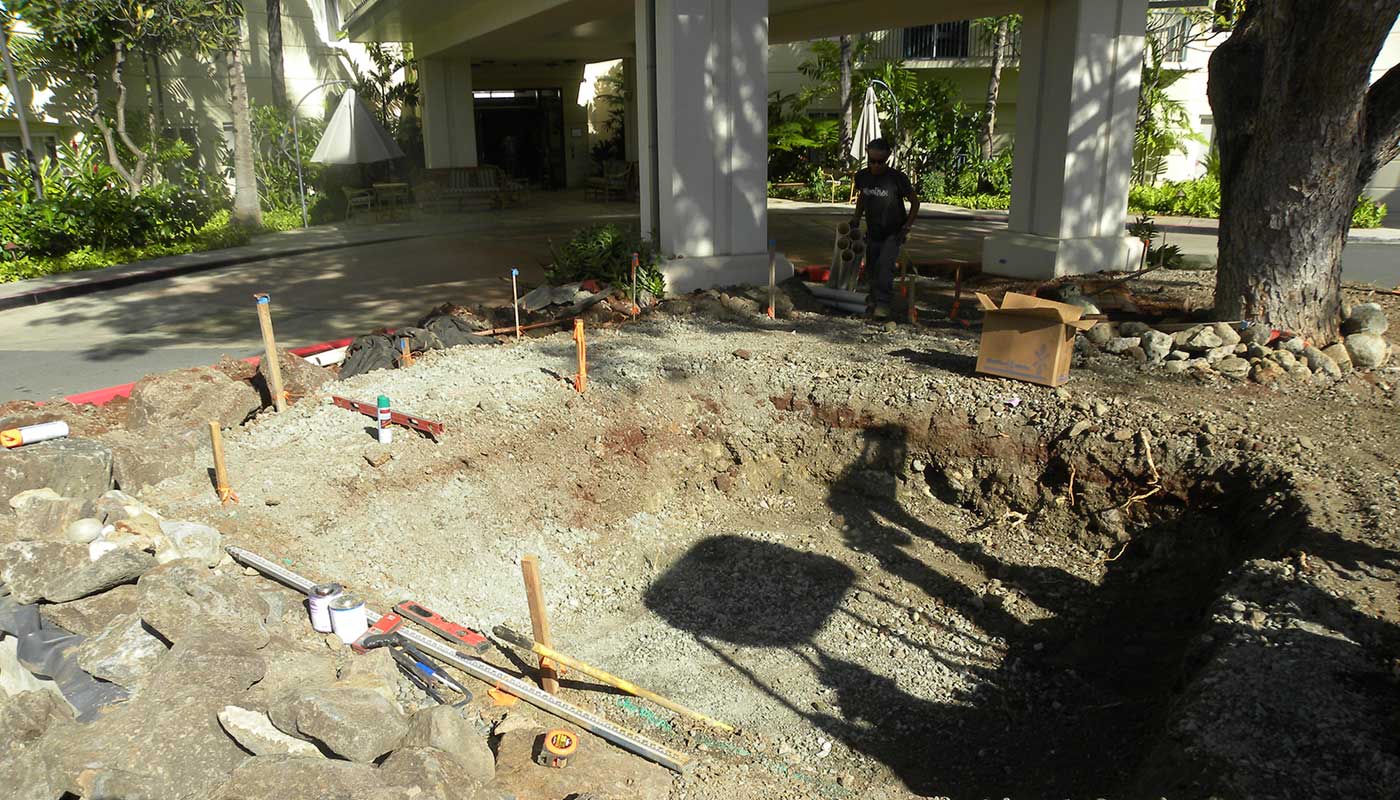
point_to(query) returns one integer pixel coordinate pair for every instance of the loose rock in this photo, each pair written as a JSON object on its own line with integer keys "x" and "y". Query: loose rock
{"x": 256, "y": 734}
{"x": 124, "y": 653}
{"x": 59, "y": 572}
{"x": 358, "y": 724}
{"x": 1318, "y": 362}
{"x": 190, "y": 540}
{"x": 1367, "y": 350}
{"x": 189, "y": 398}
{"x": 1233, "y": 367}
{"x": 1156, "y": 345}
{"x": 444, "y": 728}
{"x": 1121, "y": 344}
{"x": 71, "y": 467}
{"x": 1366, "y": 318}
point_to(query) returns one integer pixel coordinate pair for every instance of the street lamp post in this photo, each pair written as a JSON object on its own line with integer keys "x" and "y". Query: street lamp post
{"x": 296, "y": 145}
{"x": 894, "y": 97}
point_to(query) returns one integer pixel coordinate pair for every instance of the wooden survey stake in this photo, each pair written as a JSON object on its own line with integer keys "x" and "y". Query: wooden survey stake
{"x": 539, "y": 620}
{"x": 581, "y": 379}
{"x": 772, "y": 279}
{"x": 274, "y": 368}
{"x": 221, "y": 486}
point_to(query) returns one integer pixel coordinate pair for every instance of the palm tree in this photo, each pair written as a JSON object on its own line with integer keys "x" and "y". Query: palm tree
{"x": 274, "y": 53}
{"x": 247, "y": 209}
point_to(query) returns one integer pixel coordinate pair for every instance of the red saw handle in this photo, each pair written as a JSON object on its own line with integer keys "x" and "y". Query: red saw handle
{"x": 445, "y": 628}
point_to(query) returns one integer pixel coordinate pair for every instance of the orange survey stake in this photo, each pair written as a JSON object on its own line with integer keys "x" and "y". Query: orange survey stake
{"x": 581, "y": 380}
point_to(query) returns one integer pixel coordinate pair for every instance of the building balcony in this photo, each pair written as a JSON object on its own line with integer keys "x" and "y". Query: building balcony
{"x": 946, "y": 44}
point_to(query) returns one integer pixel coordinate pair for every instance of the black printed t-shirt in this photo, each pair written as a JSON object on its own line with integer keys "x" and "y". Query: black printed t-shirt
{"x": 883, "y": 196}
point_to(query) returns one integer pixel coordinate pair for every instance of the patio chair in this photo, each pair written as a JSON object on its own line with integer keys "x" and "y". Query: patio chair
{"x": 357, "y": 197}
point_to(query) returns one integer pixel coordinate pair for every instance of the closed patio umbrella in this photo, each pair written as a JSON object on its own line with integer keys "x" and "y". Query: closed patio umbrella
{"x": 868, "y": 128}
{"x": 354, "y": 136}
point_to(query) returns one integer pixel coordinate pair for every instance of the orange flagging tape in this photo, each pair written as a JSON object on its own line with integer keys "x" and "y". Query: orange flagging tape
{"x": 501, "y": 696}
{"x": 227, "y": 495}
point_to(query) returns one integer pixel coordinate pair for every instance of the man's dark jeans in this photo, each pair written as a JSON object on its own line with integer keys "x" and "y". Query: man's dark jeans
{"x": 880, "y": 255}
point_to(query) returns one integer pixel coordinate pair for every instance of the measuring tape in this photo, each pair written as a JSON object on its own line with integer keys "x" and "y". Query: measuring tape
{"x": 535, "y": 696}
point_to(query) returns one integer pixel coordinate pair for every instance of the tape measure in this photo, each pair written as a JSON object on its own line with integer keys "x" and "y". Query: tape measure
{"x": 556, "y": 748}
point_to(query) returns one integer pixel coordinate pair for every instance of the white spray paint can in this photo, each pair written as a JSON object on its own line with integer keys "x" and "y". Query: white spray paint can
{"x": 348, "y": 617}
{"x": 318, "y": 600}
{"x": 386, "y": 434}
{"x": 30, "y": 434}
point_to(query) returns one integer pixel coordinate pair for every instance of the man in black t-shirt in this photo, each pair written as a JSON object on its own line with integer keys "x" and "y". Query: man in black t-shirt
{"x": 880, "y": 193}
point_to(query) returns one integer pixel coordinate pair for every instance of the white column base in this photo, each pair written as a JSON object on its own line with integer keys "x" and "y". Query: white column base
{"x": 688, "y": 274}
{"x": 1025, "y": 255}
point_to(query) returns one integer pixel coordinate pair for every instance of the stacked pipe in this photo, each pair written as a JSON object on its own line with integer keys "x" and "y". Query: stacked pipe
{"x": 846, "y": 257}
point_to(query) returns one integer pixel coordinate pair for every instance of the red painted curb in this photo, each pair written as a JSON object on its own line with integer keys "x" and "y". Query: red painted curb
{"x": 100, "y": 397}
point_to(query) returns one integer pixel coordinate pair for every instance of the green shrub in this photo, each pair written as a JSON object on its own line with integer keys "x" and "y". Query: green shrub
{"x": 1367, "y": 213}
{"x": 603, "y": 252}
{"x": 978, "y": 201}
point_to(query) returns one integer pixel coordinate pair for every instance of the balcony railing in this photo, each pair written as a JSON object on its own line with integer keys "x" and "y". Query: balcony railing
{"x": 945, "y": 41}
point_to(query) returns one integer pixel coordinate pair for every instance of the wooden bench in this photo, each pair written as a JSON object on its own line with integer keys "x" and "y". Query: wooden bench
{"x": 617, "y": 181}
{"x": 460, "y": 185}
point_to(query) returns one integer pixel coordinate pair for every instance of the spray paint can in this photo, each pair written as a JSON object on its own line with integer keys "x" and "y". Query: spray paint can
{"x": 29, "y": 434}
{"x": 386, "y": 434}
{"x": 318, "y": 600}
{"x": 348, "y": 618}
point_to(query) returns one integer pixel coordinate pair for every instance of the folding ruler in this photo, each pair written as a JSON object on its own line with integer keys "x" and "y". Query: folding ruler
{"x": 626, "y": 739}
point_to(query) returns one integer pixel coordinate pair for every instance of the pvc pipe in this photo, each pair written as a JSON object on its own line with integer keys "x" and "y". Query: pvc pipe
{"x": 826, "y": 293}
{"x": 30, "y": 434}
{"x": 843, "y": 243}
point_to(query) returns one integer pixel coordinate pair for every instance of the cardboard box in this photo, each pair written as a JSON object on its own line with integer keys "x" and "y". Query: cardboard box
{"x": 1029, "y": 339}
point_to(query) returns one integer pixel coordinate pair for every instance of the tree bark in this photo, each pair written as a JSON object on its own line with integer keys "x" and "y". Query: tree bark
{"x": 136, "y": 174}
{"x": 846, "y": 126}
{"x": 274, "y": 53}
{"x": 246, "y": 208}
{"x": 989, "y": 123}
{"x": 1299, "y": 136}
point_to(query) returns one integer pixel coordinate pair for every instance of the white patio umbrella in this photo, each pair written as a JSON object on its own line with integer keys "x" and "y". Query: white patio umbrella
{"x": 354, "y": 136}
{"x": 868, "y": 128}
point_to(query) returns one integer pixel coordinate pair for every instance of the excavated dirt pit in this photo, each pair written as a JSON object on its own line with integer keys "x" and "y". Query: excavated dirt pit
{"x": 894, "y": 577}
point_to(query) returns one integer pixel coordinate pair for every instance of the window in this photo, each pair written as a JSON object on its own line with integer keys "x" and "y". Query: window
{"x": 944, "y": 40}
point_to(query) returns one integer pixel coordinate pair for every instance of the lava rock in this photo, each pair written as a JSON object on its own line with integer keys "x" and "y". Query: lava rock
{"x": 444, "y": 728}
{"x": 189, "y": 398}
{"x": 71, "y": 467}
{"x": 1366, "y": 318}
{"x": 1319, "y": 363}
{"x": 1367, "y": 350}
{"x": 190, "y": 540}
{"x": 59, "y": 572}
{"x": 255, "y": 733}
{"x": 354, "y": 723}
{"x": 1156, "y": 345}
{"x": 300, "y": 378}
{"x": 1233, "y": 367}
{"x": 124, "y": 653}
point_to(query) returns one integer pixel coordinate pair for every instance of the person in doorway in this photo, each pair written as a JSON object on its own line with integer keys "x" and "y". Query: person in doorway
{"x": 880, "y": 194}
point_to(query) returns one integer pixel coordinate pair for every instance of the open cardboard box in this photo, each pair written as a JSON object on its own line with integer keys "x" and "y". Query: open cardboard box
{"x": 1029, "y": 339}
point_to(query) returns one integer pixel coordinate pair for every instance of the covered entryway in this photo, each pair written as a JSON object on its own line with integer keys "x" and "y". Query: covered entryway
{"x": 699, "y": 68}
{"x": 522, "y": 132}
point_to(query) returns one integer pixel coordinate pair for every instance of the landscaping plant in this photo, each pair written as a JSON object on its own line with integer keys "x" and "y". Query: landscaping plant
{"x": 603, "y": 252}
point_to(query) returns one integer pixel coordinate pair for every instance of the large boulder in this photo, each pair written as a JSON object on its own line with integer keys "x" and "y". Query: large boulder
{"x": 166, "y": 742}
{"x": 71, "y": 467}
{"x": 1226, "y": 332}
{"x": 124, "y": 653}
{"x": 143, "y": 458}
{"x": 433, "y": 775}
{"x": 255, "y": 733}
{"x": 27, "y": 716}
{"x": 292, "y": 663}
{"x": 300, "y": 378}
{"x": 445, "y": 728}
{"x": 291, "y": 778}
{"x": 190, "y": 398}
{"x": 44, "y": 514}
{"x": 1366, "y": 318}
{"x": 1321, "y": 364}
{"x": 355, "y": 723}
{"x": 182, "y": 598}
{"x": 59, "y": 572}
{"x": 91, "y": 615}
{"x": 1367, "y": 350}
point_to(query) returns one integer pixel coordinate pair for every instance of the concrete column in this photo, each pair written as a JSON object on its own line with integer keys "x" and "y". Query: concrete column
{"x": 449, "y": 113}
{"x": 711, "y": 136}
{"x": 1081, "y": 64}
{"x": 630, "y": 121}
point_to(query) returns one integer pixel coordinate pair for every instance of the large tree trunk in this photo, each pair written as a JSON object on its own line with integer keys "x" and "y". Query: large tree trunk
{"x": 274, "y": 53}
{"x": 989, "y": 122}
{"x": 846, "y": 129}
{"x": 1299, "y": 136}
{"x": 246, "y": 207}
